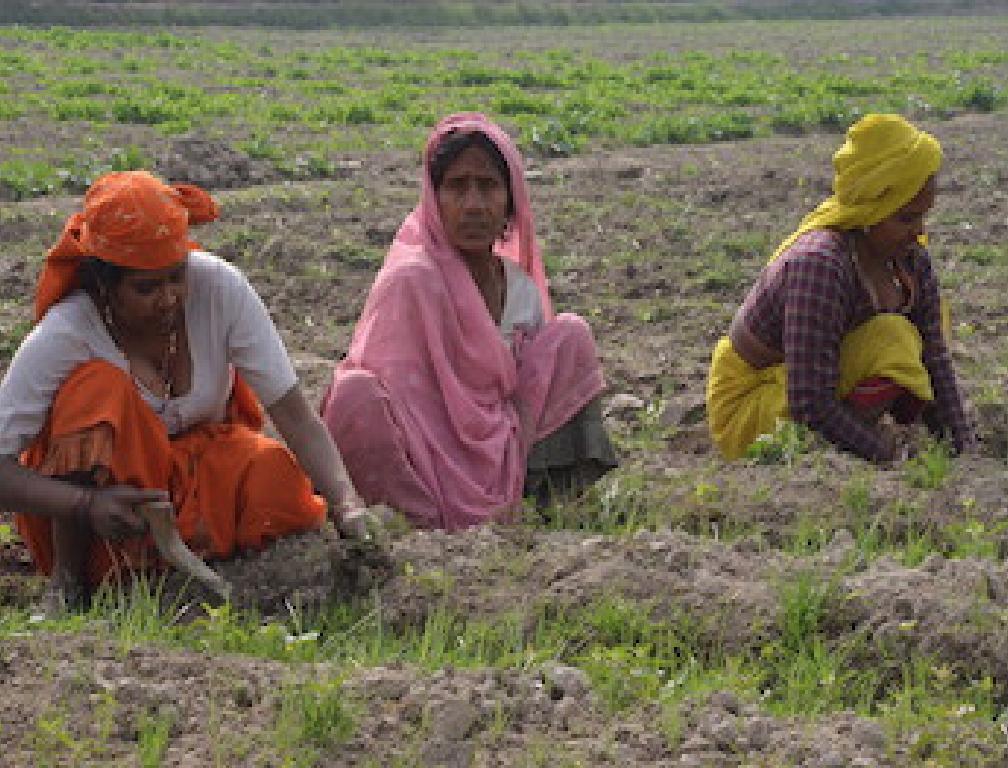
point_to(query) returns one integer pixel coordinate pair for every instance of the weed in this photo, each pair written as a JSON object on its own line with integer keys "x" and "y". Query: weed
{"x": 930, "y": 467}
{"x": 27, "y": 178}
{"x": 53, "y": 738}
{"x": 153, "y": 735}
{"x": 870, "y": 536}
{"x": 973, "y": 538}
{"x": 981, "y": 94}
{"x": 809, "y": 536}
{"x": 7, "y": 534}
{"x": 314, "y": 715}
{"x": 803, "y": 601}
{"x": 984, "y": 254}
{"x": 856, "y": 496}
{"x": 500, "y": 721}
{"x": 556, "y": 101}
{"x": 787, "y": 442}
{"x": 918, "y": 542}
{"x": 802, "y": 674}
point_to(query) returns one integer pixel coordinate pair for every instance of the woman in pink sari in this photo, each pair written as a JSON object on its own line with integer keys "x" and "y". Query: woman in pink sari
{"x": 461, "y": 391}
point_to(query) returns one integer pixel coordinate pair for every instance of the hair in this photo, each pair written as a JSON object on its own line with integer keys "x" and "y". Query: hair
{"x": 96, "y": 275}
{"x": 454, "y": 144}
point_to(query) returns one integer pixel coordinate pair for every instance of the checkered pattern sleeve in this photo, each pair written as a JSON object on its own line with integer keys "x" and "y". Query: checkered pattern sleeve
{"x": 926, "y": 315}
{"x": 818, "y": 291}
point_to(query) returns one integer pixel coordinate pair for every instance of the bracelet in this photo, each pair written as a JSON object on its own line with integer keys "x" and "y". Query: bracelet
{"x": 82, "y": 506}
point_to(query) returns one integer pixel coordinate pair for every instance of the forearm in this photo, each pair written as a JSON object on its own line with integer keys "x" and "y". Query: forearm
{"x": 309, "y": 440}
{"x": 950, "y": 406}
{"x": 25, "y": 490}
{"x": 836, "y": 421}
{"x": 321, "y": 461}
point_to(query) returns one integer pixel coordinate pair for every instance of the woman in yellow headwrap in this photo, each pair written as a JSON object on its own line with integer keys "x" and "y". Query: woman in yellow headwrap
{"x": 845, "y": 322}
{"x": 143, "y": 382}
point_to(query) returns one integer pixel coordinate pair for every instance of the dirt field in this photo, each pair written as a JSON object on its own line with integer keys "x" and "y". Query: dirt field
{"x": 655, "y": 246}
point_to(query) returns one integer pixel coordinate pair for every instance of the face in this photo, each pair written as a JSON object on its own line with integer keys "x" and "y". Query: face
{"x": 149, "y": 300}
{"x": 473, "y": 202}
{"x": 898, "y": 233}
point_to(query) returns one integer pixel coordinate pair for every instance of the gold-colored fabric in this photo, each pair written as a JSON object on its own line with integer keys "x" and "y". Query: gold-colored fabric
{"x": 744, "y": 403}
{"x": 881, "y": 167}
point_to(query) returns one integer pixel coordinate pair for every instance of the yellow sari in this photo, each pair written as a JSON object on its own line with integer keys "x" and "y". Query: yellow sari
{"x": 881, "y": 166}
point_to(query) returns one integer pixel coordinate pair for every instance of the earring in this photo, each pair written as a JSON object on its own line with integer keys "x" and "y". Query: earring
{"x": 107, "y": 317}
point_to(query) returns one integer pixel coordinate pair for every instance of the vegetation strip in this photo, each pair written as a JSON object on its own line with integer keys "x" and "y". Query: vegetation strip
{"x": 299, "y": 107}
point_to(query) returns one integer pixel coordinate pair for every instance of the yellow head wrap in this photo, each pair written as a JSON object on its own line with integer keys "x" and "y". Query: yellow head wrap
{"x": 880, "y": 168}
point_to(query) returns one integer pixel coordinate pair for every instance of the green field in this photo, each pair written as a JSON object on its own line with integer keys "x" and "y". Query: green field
{"x": 298, "y": 101}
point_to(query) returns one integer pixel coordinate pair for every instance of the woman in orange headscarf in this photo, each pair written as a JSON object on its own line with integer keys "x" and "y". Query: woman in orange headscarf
{"x": 141, "y": 383}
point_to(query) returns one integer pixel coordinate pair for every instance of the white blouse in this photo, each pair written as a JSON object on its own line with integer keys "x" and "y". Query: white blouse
{"x": 522, "y": 305}
{"x": 228, "y": 329}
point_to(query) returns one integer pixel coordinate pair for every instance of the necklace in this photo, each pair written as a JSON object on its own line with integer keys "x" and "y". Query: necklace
{"x": 163, "y": 368}
{"x": 893, "y": 275}
{"x": 874, "y": 285}
{"x": 492, "y": 285}
{"x": 168, "y": 362}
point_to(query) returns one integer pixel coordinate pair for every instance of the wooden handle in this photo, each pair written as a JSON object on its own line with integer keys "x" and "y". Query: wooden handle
{"x": 160, "y": 517}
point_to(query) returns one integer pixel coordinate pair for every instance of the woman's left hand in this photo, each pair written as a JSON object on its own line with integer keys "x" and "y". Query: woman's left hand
{"x": 971, "y": 448}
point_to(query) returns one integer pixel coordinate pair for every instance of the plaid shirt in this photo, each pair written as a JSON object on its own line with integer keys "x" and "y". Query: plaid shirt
{"x": 806, "y": 301}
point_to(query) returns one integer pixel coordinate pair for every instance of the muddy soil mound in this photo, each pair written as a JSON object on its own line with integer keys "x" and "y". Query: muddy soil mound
{"x": 301, "y": 574}
{"x": 952, "y": 611}
{"x": 494, "y": 571}
{"x": 210, "y": 164}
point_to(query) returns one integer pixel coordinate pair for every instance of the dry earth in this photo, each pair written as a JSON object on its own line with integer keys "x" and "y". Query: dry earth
{"x": 655, "y": 247}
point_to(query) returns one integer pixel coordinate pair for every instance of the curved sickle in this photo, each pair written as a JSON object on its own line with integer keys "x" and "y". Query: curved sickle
{"x": 160, "y": 517}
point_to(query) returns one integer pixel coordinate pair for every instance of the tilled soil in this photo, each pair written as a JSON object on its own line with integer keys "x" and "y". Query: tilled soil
{"x": 96, "y": 694}
{"x": 655, "y": 247}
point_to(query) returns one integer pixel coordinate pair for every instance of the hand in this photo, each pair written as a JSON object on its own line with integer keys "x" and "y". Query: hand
{"x": 971, "y": 448}
{"x": 112, "y": 512}
{"x": 363, "y": 523}
{"x": 899, "y": 441}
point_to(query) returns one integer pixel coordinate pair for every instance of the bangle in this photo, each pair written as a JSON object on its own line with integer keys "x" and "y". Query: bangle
{"x": 82, "y": 506}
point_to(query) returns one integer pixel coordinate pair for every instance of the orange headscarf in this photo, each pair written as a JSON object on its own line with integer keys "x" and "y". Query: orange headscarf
{"x": 131, "y": 219}
{"x": 134, "y": 220}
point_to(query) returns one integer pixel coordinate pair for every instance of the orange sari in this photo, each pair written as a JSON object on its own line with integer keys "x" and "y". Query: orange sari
{"x": 232, "y": 487}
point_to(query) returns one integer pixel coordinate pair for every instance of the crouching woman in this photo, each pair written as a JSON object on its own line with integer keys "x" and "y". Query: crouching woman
{"x": 845, "y": 323}
{"x": 143, "y": 382}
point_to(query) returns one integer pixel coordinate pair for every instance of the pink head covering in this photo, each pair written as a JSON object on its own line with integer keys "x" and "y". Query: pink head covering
{"x": 423, "y": 226}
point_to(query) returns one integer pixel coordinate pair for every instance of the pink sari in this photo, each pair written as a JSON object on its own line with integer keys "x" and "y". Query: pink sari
{"x": 432, "y": 412}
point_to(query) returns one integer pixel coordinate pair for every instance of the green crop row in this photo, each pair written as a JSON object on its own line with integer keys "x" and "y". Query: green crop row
{"x": 557, "y": 101}
{"x": 21, "y": 178}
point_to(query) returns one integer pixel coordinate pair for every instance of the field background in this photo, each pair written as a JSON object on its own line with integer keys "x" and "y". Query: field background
{"x": 801, "y": 608}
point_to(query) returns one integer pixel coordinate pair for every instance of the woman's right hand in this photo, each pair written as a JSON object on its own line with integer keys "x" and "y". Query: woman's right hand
{"x": 364, "y": 523}
{"x": 112, "y": 510}
{"x": 898, "y": 443}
